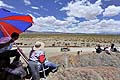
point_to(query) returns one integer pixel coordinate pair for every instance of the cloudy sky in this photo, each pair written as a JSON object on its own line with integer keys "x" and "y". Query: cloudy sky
{"x": 69, "y": 16}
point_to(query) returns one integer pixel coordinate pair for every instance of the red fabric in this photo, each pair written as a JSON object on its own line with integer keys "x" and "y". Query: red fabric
{"x": 42, "y": 58}
{"x": 22, "y": 18}
{"x": 9, "y": 28}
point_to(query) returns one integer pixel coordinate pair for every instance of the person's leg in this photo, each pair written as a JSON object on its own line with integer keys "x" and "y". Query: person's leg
{"x": 52, "y": 66}
{"x": 34, "y": 70}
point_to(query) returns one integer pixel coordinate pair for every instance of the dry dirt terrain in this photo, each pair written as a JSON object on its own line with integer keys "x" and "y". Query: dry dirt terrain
{"x": 88, "y": 65}
{"x": 71, "y": 40}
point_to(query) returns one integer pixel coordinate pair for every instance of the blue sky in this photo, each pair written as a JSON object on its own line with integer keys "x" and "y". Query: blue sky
{"x": 69, "y": 16}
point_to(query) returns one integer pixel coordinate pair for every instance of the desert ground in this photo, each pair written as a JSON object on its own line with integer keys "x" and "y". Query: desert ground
{"x": 75, "y": 42}
{"x": 53, "y": 51}
{"x": 71, "y": 40}
{"x": 88, "y": 65}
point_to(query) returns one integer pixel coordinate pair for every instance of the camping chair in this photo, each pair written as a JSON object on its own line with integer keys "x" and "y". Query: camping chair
{"x": 44, "y": 71}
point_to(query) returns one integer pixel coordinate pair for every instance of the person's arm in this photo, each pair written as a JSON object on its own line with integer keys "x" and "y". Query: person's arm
{"x": 6, "y": 44}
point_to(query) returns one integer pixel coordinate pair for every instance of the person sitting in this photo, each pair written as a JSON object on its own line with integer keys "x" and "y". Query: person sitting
{"x": 98, "y": 49}
{"x": 6, "y": 44}
{"x": 107, "y": 50}
{"x": 112, "y": 48}
{"x": 37, "y": 59}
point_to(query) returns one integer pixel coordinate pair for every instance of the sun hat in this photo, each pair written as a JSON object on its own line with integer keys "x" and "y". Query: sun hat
{"x": 38, "y": 45}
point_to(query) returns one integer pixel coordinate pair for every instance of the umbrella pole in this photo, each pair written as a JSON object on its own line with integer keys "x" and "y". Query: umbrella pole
{"x": 20, "y": 52}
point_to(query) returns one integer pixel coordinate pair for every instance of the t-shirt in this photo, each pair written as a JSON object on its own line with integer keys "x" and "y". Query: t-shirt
{"x": 35, "y": 54}
{"x": 4, "y": 40}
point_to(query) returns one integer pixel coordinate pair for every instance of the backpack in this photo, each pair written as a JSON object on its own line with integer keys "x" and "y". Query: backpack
{"x": 42, "y": 58}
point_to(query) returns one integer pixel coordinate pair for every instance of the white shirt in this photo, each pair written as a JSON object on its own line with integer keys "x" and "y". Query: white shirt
{"x": 109, "y": 48}
{"x": 34, "y": 56}
{"x": 4, "y": 40}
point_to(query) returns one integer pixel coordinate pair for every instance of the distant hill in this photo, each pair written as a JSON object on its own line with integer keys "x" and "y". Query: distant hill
{"x": 28, "y": 31}
{"x": 102, "y": 33}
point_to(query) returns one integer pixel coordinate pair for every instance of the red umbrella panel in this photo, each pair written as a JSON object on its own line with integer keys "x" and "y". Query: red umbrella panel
{"x": 13, "y": 22}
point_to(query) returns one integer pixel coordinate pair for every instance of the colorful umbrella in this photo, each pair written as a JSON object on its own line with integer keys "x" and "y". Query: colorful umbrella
{"x": 13, "y": 22}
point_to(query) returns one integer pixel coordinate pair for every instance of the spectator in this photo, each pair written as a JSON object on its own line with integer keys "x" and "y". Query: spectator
{"x": 37, "y": 58}
{"x": 6, "y": 44}
{"x": 99, "y": 49}
{"x": 112, "y": 48}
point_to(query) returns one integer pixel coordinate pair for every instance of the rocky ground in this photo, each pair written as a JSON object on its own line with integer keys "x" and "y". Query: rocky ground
{"x": 90, "y": 66}
{"x": 85, "y": 66}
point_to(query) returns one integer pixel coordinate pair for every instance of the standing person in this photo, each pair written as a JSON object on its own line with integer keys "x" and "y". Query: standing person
{"x": 6, "y": 44}
{"x": 37, "y": 58}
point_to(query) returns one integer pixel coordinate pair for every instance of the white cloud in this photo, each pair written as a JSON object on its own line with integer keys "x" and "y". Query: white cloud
{"x": 46, "y": 21}
{"x": 87, "y": 26}
{"x": 71, "y": 20}
{"x": 53, "y": 23}
{"x": 109, "y": 26}
{"x": 68, "y": 25}
{"x": 112, "y": 10}
{"x": 84, "y": 9}
{"x": 97, "y": 26}
{"x": 58, "y": 30}
{"x": 98, "y": 3}
{"x": 27, "y": 2}
{"x": 2, "y": 4}
{"x": 33, "y": 7}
